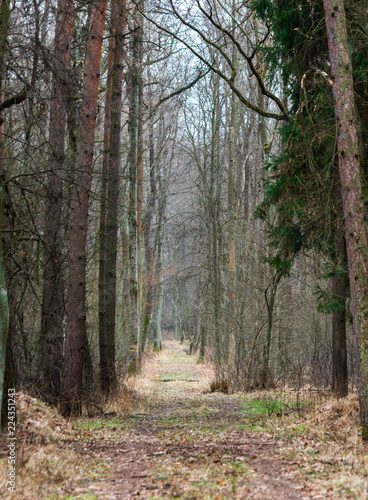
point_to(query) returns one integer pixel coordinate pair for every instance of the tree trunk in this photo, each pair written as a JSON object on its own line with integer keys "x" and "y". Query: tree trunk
{"x": 339, "y": 354}
{"x": 51, "y": 341}
{"x": 103, "y": 209}
{"x": 157, "y": 341}
{"x": 107, "y": 342}
{"x": 233, "y": 134}
{"x": 133, "y": 158}
{"x": 147, "y": 223}
{"x": 352, "y": 197}
{"x": 214, "y": 235}
{"x": 203, "y": 340}
{"x": 139, "y": 69}
{"x": 179, "y": 311}
{"x": 270, "y": 310}
{"x": 76, "y": 311}
{"x": 4, "y": 306}
{"x": 232, "y": 237}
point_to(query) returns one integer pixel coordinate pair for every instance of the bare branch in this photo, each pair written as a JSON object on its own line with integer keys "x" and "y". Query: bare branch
{"x": 249, "y": 60}
{"x": 182, "y": 89}
{"x": 228, "y": 80}
{"x": 15, "y": 99}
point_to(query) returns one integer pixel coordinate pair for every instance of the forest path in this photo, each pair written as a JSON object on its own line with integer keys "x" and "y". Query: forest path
{"x": 188, "y": 444}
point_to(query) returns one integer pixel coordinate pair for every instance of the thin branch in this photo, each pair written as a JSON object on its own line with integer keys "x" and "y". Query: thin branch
{"x": 15, "y": 99}
{"x": 249, "y": 60}
{"x": 229, "y": 81}
{"x": 182, "y": 89}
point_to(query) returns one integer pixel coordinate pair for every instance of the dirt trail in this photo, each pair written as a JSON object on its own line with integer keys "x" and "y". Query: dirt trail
{"x": 185, "y": 443}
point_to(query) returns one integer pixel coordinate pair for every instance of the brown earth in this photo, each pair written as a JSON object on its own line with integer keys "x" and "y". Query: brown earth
{"x": 187, "y": 443}
{"x": 178, "y": 440}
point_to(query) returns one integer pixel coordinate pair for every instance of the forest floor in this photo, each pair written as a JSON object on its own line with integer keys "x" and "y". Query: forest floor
{"x": 175, "y": 439}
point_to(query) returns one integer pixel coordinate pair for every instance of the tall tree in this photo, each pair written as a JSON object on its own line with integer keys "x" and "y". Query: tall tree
{"x": 135, "y": 165}
{"x": 292, "y": 186}
{"x": 147, "y": 230}
{"x": 76, "y": 310}
{"x": 51, "y": 340}
{"x": 4, "y": 307}
{"x": 352, "y": 195}
{"x": 103, "y": 203}
{"x": 107, "y": 337}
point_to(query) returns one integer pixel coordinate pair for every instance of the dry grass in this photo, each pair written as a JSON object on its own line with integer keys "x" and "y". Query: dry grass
{"x": 43, "y": 463}
{"x": 99, "y": 404}
{"x": 317, "y": 432}
{"x": 46, "y": 471}
{"x": 327, "y": 442}
{"x": 47, "y": 466}
{"x": 338, "y": 421}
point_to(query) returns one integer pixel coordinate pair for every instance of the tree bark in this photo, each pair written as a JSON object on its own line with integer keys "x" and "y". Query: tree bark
{"x": 270, "y": 310}
{"x": 103, "y": 208}
{"x": 134, "y": 128}
{"x": 157, "y": 341}
{"x": 147, "y": 223}
{"x": 52, "y": 314}
{"x": 107, "y": 338}
{"x": 233, "y": 133}
{"x": 139, "y": 68}
{"x": 214, "y": 234}
{"x": 4, "y": 305}
{"x": 339, "y": 354}
{"x": 76, "y": 312}
{"x": 179, "y": 311}
{"x": 352, "y": 197}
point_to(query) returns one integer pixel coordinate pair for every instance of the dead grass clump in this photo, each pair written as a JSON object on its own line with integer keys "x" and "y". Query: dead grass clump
{"x": 44, "y": 471}
{"x": 337, "y": 420}
{"x": 206, "y": 374}
{"x": 331, "y": 436}
{"x": 36, "y": 418}
{"x": 122, "y": 400}
{"x": 44, "y": 463}
{"x": 221, "y": 385}
{"x": 142, "y": 383}
{"x": 119, "y": 401}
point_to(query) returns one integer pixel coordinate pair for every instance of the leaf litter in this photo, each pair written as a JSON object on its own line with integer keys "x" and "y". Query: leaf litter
{"x": 178, "y": 440}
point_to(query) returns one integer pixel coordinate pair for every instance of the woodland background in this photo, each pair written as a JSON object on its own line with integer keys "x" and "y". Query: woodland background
{"x": 171, "y": 168}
